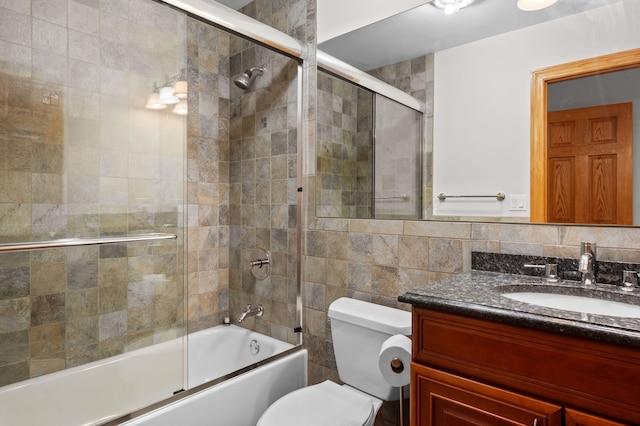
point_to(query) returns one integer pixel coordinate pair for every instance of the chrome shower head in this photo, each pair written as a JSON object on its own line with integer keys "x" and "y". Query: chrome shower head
{"x": 245, "y": 79}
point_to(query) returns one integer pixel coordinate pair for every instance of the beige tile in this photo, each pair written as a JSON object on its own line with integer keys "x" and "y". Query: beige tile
{"x": 376, "y": 226}
{"x": 384, "y": 281}
{"x": 408, "y": 279}
{"x": 445, "y": 255}
{"x": 385, "y": 250}
{"x": 414, "y": 252}
{"x": 359, "y": 277}
{"x": 612, "y": 237}
{"x": 359, "y": 247}
{"x": 437, "y": 229}
{"x": 532, "y": 234}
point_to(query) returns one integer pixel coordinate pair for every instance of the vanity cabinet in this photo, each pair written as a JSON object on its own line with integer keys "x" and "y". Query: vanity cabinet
{"x": 471, "y": 371}
{"x": 445, "y": 399}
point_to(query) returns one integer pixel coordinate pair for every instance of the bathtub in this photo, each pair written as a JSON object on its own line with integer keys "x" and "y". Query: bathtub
{"x": 236, "y": 402}
{"x": 241, "y": 348}
{"x": 101, "y": 391}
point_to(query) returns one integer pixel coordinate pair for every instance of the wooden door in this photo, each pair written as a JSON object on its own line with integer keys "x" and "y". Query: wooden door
{"x": 443, "y": 399}
{"x": 590, "y": 168}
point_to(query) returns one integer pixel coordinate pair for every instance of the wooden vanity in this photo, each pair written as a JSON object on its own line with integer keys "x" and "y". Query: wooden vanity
{"x": 471, "y": 367}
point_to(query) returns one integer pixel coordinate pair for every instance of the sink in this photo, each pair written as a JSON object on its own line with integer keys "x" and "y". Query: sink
{"x": 571, "y": 302}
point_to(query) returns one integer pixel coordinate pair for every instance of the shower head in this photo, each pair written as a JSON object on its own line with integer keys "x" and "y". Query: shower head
{"x": 245, "y": 79}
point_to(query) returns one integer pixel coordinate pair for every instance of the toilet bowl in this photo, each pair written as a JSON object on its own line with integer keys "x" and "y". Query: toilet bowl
{"x": 326, "y": 403}
{"x": 358, "y": 329}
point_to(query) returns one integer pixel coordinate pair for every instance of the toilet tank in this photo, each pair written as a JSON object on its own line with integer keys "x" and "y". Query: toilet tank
{"x": 359, "y": 329}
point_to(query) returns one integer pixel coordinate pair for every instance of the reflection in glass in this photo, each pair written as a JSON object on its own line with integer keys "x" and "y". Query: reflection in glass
{"x": 368, "y": 155}
{"x": 397, "y": 170}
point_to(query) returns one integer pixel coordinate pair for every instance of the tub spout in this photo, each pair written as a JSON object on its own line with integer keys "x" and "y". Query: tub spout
{"x": 257, "y": 311}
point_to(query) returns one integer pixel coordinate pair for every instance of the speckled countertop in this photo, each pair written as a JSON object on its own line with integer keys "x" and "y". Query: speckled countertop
{"x": 479, "y": 294}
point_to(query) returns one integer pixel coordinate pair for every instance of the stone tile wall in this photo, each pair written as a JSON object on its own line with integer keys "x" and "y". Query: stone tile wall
{"x": 345, "y": 152}
{"x": 82, "y": 157}
{"x": 207, "y": 174}
{"x": 262, "y": 186}
{"x": 416, "y": 77}
{"x": 263, "y": 159}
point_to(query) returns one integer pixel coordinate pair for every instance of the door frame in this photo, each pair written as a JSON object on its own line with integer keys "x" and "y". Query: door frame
{"x": 539, "y": 92}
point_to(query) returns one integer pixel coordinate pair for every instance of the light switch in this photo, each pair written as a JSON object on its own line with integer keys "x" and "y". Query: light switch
{"x": 517, "y": 202}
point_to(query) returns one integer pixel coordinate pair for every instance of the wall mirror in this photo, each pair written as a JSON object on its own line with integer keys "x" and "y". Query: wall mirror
{"x": 368, "y": 155}
{"x": 479, "y": 99}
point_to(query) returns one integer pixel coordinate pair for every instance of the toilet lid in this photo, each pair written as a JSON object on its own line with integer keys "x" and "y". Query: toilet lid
{"x": 323, "y": 404}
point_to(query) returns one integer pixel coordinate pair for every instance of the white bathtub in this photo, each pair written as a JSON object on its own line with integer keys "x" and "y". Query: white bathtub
{"x": 236, "y": 402}
{"x": 94, "y": 393}
{"x": 241, "y": 348}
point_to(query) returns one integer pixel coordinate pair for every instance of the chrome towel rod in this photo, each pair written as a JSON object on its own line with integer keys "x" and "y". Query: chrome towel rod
{"x": 499, "y": 196}
{"x": 73, "y": 242}
{"x": 398, "y": 197}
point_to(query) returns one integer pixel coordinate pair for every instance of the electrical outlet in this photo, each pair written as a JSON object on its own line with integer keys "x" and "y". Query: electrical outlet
{"x": 517, "y": 202}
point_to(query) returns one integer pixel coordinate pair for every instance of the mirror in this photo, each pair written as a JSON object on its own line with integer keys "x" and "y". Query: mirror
{"x": 601, "y": 97}
{"x": 368, "y": 157}
{"x": 480, "y": 118}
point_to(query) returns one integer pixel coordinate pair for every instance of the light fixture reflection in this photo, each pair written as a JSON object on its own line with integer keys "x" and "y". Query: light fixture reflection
{"x": 166, "y": 96}
{"x": 181, "y": 108}
{"x": 172, "y": 92}
{"x": 153, "y": 101}
{"x": 180, "y": 89}
{"x": 533, "y": 5}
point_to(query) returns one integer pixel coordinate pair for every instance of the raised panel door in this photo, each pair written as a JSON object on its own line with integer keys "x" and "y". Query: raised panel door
{"x": 444, "y": 399}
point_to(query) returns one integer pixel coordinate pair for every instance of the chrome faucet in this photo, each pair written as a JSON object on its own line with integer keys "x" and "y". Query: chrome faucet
{"x": 587, "y": 262}
{"x": 257, "y": 311}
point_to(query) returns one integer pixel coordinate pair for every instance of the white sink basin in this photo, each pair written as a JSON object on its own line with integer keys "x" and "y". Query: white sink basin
{"x": 574, "y": 303}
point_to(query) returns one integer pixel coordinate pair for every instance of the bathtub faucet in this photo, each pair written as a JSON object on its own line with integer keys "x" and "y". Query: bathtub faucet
{"x": 257, "y": 311}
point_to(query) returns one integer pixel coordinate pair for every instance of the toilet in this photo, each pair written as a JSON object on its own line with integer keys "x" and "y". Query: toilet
{"x": 358, "y": 329}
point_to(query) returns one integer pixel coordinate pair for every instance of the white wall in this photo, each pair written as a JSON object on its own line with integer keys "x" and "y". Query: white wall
{"x": 482, "y": 102}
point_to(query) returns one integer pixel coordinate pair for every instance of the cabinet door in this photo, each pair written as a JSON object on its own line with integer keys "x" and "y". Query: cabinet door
{"x": 442, "y": 399}
{"x": 579, "y": 418}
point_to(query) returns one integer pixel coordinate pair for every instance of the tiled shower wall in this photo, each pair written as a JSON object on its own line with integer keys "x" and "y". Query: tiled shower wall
{"x": 207, "y": 174}
{"x": 82, "y": 157}
{"x": 263, "y": 188}
{"x": 345, "y": 151}
{"x": 415, "y": 76}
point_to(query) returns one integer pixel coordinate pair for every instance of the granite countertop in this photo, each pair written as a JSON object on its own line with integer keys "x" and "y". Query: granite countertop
{"x": 478, "y": 294}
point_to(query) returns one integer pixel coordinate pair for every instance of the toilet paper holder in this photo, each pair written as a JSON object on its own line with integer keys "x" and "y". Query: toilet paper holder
{"x": 395, "y": 352}
{"x": 397, "y": 366}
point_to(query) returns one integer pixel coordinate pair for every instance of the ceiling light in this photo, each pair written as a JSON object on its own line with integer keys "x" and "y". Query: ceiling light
{"x": 532, "y": 5}
{"x": 451, "y": 6}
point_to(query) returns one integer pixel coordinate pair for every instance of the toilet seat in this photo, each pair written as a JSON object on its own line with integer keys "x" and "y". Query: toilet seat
{"x": 323, "y": 404}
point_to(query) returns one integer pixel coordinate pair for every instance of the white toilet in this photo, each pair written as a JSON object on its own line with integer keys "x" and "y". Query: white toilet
{"x": 359, "y": 329}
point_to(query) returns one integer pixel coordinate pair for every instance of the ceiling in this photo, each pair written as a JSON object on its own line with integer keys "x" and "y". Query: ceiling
{"x": 426, "y": 29}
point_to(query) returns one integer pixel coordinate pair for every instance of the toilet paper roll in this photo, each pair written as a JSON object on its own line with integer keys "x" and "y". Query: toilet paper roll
{"x": 395, "y": 359}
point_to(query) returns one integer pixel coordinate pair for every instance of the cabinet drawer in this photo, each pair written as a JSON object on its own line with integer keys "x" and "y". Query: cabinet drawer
{"x": 578, "y": 418}
{"x": 585, "y": 374}
{"x": 444, "y": 400}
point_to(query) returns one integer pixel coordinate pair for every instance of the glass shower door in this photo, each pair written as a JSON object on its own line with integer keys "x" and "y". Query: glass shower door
{"x": 398, "y": 167}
